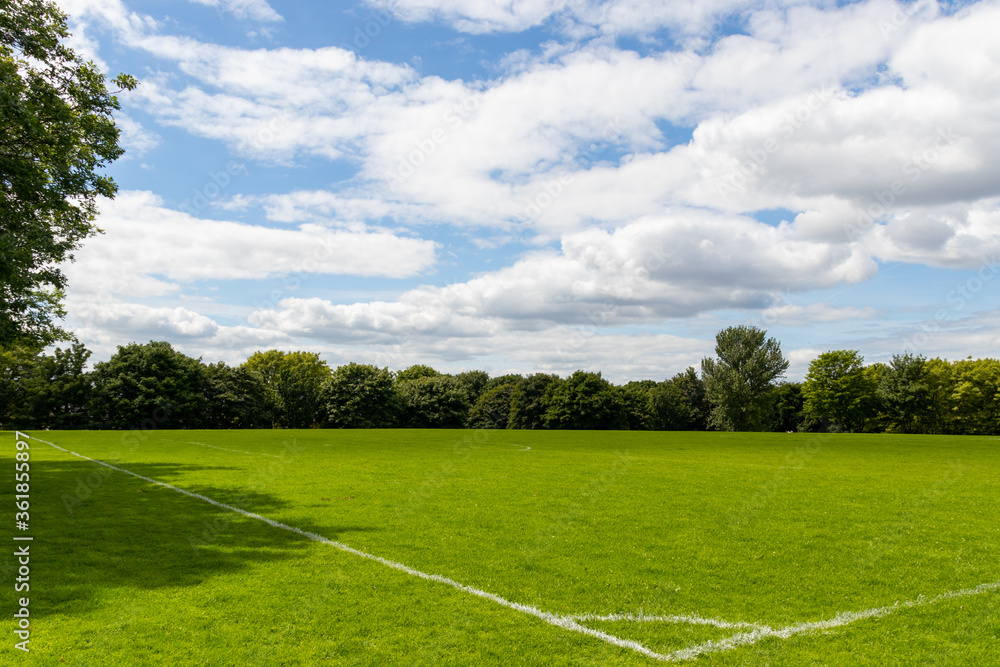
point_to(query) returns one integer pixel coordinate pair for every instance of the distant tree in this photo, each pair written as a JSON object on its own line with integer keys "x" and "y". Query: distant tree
{"x": 148, "y": 386}
{"x": 492, "y": 410}
{"x": 904, "y": 393}
{"x": 56, "y": 390}
{"x": 361, "y": 396}
{"x": 940, "y": 386}
{"x": 433, "y": 402}
{"x": 671, "y": 409}
{"x": 583, "y": 401}
{"x": 295, "y": 380}
{"x": 527, "y": 406}
{"x": 637, "y": 404}
{"x": 237, "y": 397}
{"x": 975, "y": 396}
{"x": 57, "y": 131}
{"x": 739, "y": 382}
{"x": 500, "y": 380}
{"x": 17, "y": 362}
{"x": 788, "y": 404}
{"x": 837, "y": 390}
{"x": 474, "y": 382}
{"x": 699, "y": 408}
{"x": 416, "y": 371}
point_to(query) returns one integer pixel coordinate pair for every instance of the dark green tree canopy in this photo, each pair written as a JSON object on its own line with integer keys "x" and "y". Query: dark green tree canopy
{"x": 433, "y": 402}
{"x": 474, "y": 382}
{"x": 584, "y": 401}
{"x": 56, "y": 134}
{"x": 492, "y": 410}
{"x": 527, "y": 407}
{"x": 295, "y": 380}
{"x": 148, "y": 386}
{"x": 416, "y": 371}
{"x": 236, "y": 398}
{"x": 904, "y": 392}
{"x": 740, "y": 380}
{"x": 839, "y": 390}
{"x": 360, "y": 396}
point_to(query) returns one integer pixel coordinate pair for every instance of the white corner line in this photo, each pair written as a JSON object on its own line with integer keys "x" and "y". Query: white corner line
{"x": 840, "y": 620}
{"x": 690, "y": 619}
{"x": 563, "y": 622}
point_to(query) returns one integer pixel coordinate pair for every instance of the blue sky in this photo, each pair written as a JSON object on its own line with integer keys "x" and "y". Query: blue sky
{"x": 546, "y": 185}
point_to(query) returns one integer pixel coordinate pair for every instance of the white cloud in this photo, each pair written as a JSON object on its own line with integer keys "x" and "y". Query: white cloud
{"x": 257, "y": 10}
{"x": 132, "y": 319}
{"x": 135, "y": 139}
{"x": 148, "y": 249}
{"x": 814, "y": 313}
{"x": 954, "y": 236}
{"x": 576, "y": 17}
{"x": 646, "y": 272}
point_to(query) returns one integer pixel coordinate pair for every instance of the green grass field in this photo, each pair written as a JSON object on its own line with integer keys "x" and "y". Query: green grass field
{"x": 700, "y": 548}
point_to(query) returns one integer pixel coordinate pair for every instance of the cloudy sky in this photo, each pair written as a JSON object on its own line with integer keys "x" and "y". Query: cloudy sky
{"x": 546, "y": 185}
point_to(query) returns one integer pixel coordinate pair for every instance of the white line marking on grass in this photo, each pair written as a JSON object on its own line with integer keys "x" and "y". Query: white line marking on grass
{"x": 647, "y": 618}
{"x": 563, "y": 622}
{"x": 525, "y": 448}
{"x": 747, "y": 638}
{"x": 202, "y": 444}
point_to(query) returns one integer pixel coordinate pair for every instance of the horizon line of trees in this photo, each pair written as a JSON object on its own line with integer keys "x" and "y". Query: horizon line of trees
{"x": 154, "y": 386}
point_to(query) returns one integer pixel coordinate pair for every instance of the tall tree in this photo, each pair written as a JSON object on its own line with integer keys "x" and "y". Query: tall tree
{"x": 637, "y": 404}
{"x": 975, "y": 396}
{"x": 148, "y": 386}
{"x": 583, "y": 401}
{"x": 56, "y": 390}
{"x": 433, "y": 402}
{"x": 696, "y": 415}
{"x": 416, "y": 371}
{"x": 527, "y": 401}
{"x": 739, "y": 382}
{"x": 837, "y": 390}
{"x": 360, "y": 396}
{"x": 492, "y": 410}
{"x": 57, "y": 133}
{"x": 17, "y": 363}
{"x": 237, "y": 398}
{"x": 672, "y": 410}
{"x": 296, "y": 380}
{"x": 474, "y": 382}
{"x": 904, "y": 393}
{"x": 789, "y": 413}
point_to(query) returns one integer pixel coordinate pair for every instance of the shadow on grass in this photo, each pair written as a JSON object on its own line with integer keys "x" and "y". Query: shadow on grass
{"x": 118, "y": 532}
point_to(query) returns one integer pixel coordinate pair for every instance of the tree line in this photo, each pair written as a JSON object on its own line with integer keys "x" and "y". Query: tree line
{"x": 154, "y": 386}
